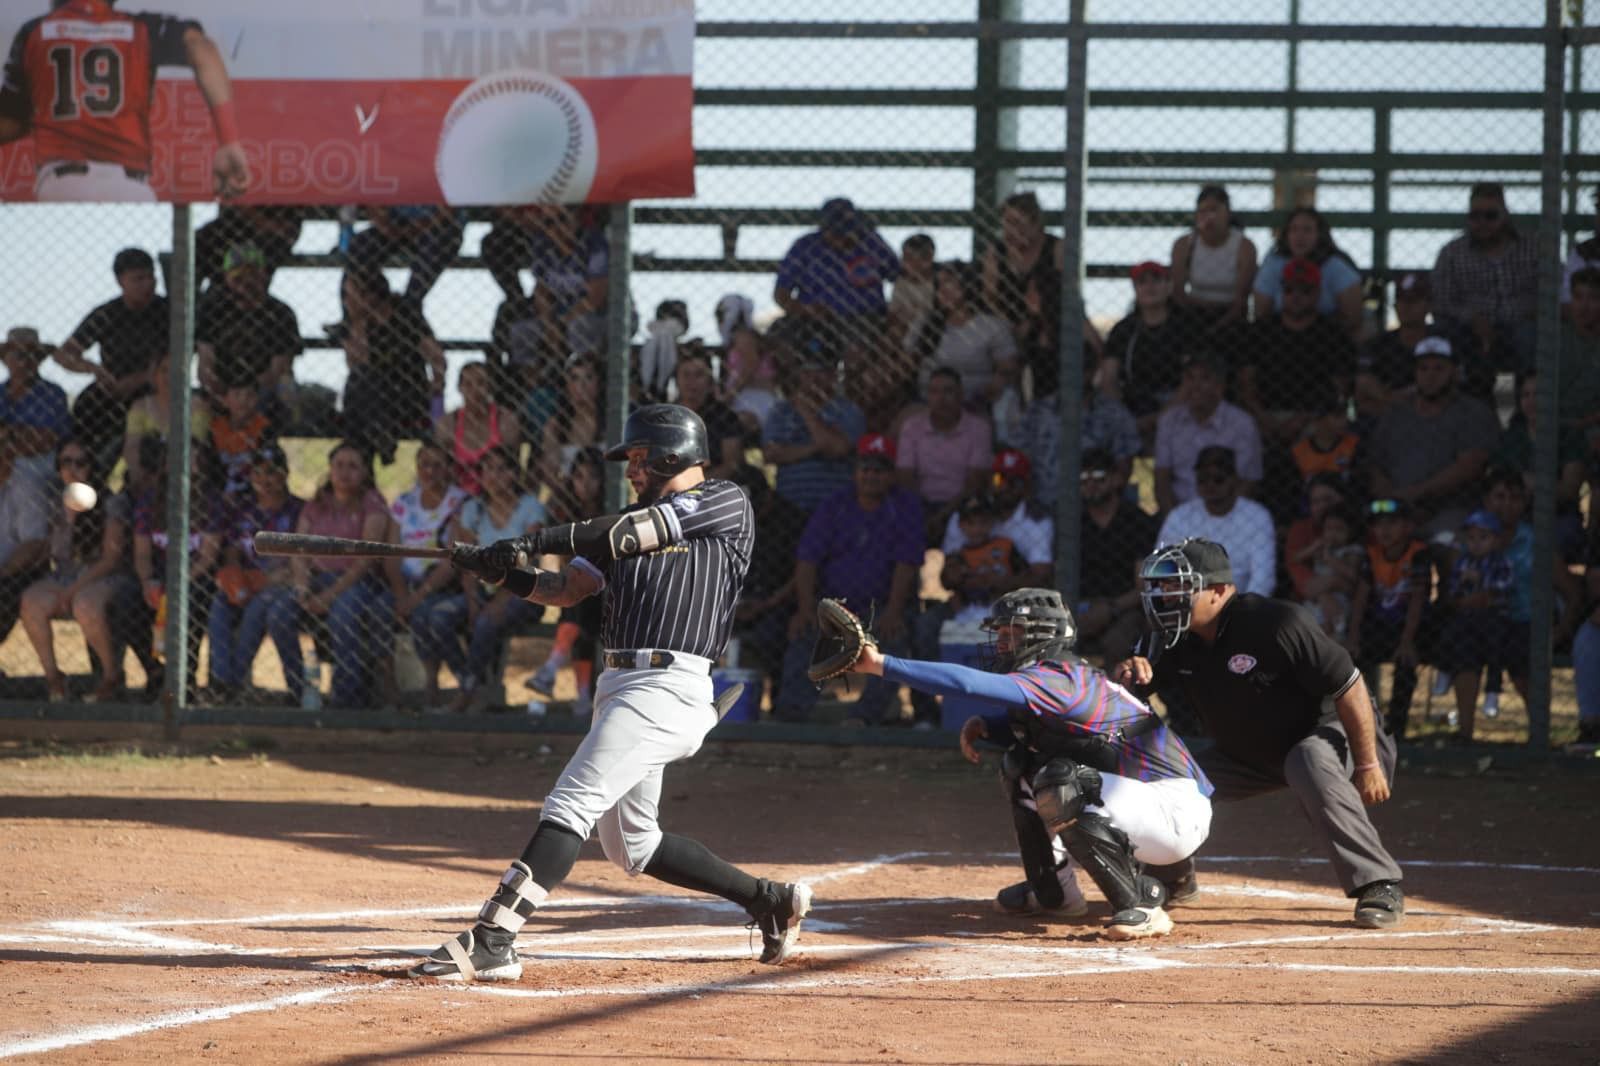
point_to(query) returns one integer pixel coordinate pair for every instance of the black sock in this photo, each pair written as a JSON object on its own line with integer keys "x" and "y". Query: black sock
{"x": 689, "y": 864}
{"x": 551, "y": 854}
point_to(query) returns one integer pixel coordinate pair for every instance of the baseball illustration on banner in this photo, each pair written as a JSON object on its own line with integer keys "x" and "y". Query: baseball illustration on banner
{"x": 517, "y": 137}
{"x": 79, "y": 497}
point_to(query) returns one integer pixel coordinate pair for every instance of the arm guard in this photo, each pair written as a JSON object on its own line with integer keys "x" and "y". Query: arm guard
{"x": 603, "y": 539}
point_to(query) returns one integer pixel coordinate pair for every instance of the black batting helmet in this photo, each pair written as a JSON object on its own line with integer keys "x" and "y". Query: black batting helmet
{"x": 1048, "y": 629}
{"x": 675, "y": 436}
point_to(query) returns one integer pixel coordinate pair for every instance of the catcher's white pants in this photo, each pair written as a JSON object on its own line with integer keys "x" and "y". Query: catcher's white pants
{"x": 1166, "y": 820}
{"x": 643, "y": 721}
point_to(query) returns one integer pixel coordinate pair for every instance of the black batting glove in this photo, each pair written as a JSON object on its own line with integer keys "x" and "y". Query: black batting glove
{"x": 511, "y": 554}
{"x": 478, "y": 560}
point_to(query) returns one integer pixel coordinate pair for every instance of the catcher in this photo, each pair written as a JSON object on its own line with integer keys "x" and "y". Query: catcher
{"x": 1093, "y": 776}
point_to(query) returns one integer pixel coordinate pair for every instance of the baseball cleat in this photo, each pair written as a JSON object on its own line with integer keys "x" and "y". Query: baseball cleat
{"x": 462, "y": 958}
{"x": 1137, "y": 923}
{"x": 1020, "y": 899}
{"x": 1380, "y": 905}
{"x": 1185, "y": 889}
{"x": 780, "y": 928}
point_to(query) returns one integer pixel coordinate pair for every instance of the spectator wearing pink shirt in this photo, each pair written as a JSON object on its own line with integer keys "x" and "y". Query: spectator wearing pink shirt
{"x": 944, "y": 451}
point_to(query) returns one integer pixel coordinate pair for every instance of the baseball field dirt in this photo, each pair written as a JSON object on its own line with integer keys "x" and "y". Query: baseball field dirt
{"x": 255, "y": 899}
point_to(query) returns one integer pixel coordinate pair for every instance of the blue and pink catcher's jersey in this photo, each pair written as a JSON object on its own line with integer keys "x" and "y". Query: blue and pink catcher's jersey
{"x": 1075, "y": 699}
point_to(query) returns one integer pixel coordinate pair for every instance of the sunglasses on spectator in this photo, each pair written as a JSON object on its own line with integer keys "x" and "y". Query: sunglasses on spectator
{"x": 1091, "y": 475}
{"x": 1299, "y": 287}
{"x": 1384, "y": 507}
{"x": 1212, "y": 477}
{"x": 1484, "y": 214}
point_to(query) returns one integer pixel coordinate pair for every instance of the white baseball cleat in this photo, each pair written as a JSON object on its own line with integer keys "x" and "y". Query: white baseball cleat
{"x": 1138, "y": 923}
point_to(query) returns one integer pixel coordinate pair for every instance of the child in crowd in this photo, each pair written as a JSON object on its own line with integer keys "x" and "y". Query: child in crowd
{"x": 983, "y": 563}
{"x": 1329, "y": 445}
{"x": 911, "y": 296}
{"x": 579, "y": 626}
{"x": 1387, "y": 610}
{"x": 1479, "y": 627}
{"x": 241, "y": 431}
{"x": 1335, "y": 562}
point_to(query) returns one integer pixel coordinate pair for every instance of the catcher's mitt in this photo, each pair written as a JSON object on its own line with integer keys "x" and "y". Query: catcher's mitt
{"x": 840, "y": 640}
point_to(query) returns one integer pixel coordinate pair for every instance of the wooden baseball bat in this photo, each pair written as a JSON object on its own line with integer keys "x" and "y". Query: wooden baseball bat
{"x": 310, "y": 544}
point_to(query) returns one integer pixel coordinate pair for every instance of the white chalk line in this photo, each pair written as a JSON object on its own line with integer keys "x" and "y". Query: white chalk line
{"x": 126, "y": 934}
{"x": 101, "y": 1033}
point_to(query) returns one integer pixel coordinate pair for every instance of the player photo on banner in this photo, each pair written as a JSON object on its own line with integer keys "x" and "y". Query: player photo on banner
{"x": 353, "y": 101}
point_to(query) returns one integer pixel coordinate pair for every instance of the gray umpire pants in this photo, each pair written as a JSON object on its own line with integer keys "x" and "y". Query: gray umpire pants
{"x": 1319, "y": 771}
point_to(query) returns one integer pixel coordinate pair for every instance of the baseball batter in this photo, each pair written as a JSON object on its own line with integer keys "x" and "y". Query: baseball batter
{"x": 669, "y": 568}
{"x": 1094, "y": 777}
{"x": 82, "y": 78}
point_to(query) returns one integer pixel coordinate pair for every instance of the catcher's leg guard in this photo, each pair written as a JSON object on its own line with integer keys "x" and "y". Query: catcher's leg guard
{"x": 1047, "y": 871}
{"x": 1061, "y": 790}
{"x": 485, "y": 952}
{"x": 1136, "y": 900}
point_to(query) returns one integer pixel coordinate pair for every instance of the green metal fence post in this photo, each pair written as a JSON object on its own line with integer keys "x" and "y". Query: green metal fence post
{"x": 1069, "y": 393}
{"x": 619, "y": 249}
{"x": 175, "y": 640}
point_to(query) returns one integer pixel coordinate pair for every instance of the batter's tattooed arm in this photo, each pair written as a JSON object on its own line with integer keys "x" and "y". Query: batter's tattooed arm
{"x": 555, "y": 588}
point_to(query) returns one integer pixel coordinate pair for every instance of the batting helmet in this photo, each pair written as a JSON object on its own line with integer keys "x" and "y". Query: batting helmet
{"x": 1171, "y": 575}
{"x": 674, "y": 435}
{"x": 1048, "y": 629}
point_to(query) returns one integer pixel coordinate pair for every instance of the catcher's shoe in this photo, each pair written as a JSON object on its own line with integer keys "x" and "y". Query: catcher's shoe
{"x": 1020, "y": 899}
{"x": 462, "y": 958}
{"x": 1185, "y": 889}
{"x": 1138, "y": 923}
{"x": 780, "y": 925}
{"x": 1380, "y": 905}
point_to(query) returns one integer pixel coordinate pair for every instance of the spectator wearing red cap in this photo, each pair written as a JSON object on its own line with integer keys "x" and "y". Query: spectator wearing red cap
{"x": 944, "y": 451}
{"x": 862, "y": 545}
{"x": 1305, "y": 235}
{"x": 1214, "y": 265}
{"x": 1021, "y": 520}
{"x": 1146, "y": 349}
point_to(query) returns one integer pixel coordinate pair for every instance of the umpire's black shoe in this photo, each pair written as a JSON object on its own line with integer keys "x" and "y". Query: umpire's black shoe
{"x": 463, "y": 958}
{"x": 1380, "y": 905}
{"x": 783, "y": 906}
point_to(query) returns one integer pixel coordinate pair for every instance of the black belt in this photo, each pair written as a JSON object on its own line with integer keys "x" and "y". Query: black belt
{"x": 629, "y": 660}
{"x": 62, "y": 170}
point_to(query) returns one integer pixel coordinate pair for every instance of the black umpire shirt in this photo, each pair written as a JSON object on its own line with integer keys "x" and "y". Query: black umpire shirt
{"x": 681, "y": 597}
{"x": 1262, "y": 687}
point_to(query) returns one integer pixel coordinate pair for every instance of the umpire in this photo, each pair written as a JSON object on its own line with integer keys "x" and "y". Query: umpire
{"x": 1284, "y": 704}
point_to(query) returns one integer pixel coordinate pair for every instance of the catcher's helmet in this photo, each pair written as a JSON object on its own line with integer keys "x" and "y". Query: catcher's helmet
{"x": 1048, "y": 629}
{"x": 1171, "y": 575}
{"x": 674, "y": 434}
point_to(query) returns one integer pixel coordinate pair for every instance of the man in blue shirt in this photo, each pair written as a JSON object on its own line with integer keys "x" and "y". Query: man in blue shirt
{"x": 863, "y": 545}
{"x": 34, "y": 407}
{"x": 810, "y": 435}
{"x": 1095, "y": 777}
{"x": 836, "y": 274}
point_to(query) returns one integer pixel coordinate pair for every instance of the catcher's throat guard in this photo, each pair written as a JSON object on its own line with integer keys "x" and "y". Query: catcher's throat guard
{"x": 841, "y": 638}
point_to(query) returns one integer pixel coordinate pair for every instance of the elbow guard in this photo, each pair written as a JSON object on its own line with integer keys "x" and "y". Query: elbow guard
{"x": 611, "y": 536}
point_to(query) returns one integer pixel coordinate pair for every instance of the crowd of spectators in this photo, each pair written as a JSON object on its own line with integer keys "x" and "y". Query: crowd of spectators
{"x": 902, "y": 405}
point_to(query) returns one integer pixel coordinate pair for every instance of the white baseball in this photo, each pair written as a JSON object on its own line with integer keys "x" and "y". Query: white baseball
{"x": 517, "y": 137}
{"x": 79, "y": 497}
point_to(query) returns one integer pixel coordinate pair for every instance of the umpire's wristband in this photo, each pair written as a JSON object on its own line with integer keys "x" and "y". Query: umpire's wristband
{"x": 521, "y": 583}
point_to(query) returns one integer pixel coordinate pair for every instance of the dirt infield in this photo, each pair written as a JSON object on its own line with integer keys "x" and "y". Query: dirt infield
{"x": 251, "y": 908}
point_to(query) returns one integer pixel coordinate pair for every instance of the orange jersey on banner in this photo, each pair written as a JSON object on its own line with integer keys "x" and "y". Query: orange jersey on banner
{"x": 83, "y": 76}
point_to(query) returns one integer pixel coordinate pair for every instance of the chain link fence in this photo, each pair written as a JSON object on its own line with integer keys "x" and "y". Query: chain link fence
{"x": 1309, "y": 290}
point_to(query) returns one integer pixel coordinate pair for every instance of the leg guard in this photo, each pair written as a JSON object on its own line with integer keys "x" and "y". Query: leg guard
{"x": 1061, "y": 790}
{"x": 1038, "y": 857}
{"x": 513, "y": 902}
{"x": 1105, "y": 851}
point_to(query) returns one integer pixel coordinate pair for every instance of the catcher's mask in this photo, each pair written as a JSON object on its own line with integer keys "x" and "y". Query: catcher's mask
{"x": 1169, "y": 578}
{"x": 1047, "y": 627}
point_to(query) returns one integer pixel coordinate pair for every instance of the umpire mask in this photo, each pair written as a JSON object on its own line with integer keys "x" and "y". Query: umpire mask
{"x": 1169, "y": 579}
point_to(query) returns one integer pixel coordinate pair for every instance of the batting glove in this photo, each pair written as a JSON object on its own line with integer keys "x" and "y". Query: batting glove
{"x": 480, "y": 561}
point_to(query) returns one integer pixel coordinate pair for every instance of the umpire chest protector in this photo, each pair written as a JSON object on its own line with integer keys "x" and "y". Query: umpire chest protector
{"x": 1265, "y": 683}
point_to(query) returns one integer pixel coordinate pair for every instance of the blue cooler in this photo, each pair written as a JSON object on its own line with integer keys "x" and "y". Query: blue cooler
{"x": 748, "y": 707}
{"x": 962, "y": 643}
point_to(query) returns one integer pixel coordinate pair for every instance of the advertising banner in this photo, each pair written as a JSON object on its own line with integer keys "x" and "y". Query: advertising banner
{"x": 347, "y": 101}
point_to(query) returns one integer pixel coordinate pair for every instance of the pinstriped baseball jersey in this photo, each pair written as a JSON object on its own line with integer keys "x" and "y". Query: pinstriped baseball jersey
{"x": 1075, "y": 699}
{"x": 681, "y": 597}
{"x": 82, "y": 77}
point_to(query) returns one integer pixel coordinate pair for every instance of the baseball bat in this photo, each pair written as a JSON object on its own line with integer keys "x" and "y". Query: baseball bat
{"x": 311, "y": 544}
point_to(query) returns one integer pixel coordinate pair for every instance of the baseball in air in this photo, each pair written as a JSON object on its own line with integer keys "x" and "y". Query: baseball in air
{"x": 517, "y": 137}
{"x": 79, "y": 497}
